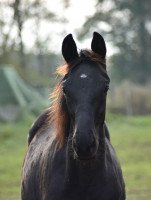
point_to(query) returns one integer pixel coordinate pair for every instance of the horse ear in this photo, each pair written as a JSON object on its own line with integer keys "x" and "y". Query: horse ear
{"x": 69, "y": 49}
{"x": 98, "y": 45}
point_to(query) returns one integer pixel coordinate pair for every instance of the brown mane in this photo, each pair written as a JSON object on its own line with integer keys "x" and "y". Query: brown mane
{"x": 58, "y": 112}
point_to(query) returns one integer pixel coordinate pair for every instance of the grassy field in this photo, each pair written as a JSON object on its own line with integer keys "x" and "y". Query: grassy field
{"x": 131, "y": 137}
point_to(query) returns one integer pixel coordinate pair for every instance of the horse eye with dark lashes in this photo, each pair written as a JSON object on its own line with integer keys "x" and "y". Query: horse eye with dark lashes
{"x": 106, "y": 88}
{"x": 64, "y": 90}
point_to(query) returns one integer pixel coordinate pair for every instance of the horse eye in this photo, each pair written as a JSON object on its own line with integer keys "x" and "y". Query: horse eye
{"x": 64, "y": 90}
{"x": 106, "y": 88}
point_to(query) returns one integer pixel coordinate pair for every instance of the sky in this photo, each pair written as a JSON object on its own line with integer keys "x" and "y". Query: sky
{"x": 76, "y": 14}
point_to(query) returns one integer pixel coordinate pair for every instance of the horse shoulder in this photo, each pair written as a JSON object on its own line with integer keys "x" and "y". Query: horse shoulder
{"x": 40, "y": 122}
{"x": 114, "y": 169}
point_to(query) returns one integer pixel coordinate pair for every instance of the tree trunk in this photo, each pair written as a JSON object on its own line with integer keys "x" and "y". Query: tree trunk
{"x": 19, "y": 20}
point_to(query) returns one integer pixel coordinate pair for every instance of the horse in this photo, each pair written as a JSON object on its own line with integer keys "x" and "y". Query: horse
{"x": 69, "y": 155}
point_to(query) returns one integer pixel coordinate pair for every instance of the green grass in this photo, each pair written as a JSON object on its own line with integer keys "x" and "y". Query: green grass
{"x": 131, "y": 137}
{"x": 12, "y": 149}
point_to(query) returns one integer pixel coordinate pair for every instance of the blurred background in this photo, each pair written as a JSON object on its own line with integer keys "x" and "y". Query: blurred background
{"x": 31, "y": 34}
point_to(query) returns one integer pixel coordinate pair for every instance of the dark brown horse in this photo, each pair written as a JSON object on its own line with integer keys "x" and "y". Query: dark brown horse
{"x": 70, "y": 156}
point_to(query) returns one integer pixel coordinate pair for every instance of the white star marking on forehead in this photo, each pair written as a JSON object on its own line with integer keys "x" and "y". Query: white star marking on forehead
{"x": 83, "y": 76}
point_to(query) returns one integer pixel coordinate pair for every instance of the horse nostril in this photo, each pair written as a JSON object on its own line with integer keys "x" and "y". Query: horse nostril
{"x": 84, "y": 148}
{"x": 92, "y": 146}
{"x": 92, "y": 149}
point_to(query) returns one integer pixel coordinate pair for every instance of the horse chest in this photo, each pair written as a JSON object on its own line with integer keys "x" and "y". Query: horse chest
{"x": 85, "y": 193}
{"x": 81, "y": 188}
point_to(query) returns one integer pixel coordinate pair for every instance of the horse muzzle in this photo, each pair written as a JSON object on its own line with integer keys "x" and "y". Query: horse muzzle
{"x": 85, "y": 148}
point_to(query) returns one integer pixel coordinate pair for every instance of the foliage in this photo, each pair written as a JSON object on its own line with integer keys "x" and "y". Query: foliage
{"x": 17, "y": 96}
{"x": 39, "y": 68}
{"x": 19, "y": 13}
{"x": 127, "y": 26}
{"x": 129, "y": 98}
{"x": 27, "y": 20}
{"x": 130, "y": 137}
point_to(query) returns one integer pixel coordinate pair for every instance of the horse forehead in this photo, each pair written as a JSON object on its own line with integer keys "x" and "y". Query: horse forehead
{"x": 86, "y": 73}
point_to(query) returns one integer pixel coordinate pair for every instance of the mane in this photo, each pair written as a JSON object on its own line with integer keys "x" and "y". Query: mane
{"x": 58, "y": 115}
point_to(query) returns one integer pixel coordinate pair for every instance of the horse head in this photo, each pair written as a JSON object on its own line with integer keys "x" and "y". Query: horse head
{"x": 84, "y": 89}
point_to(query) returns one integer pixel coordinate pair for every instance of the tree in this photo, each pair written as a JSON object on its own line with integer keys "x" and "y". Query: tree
{"x": 21, "y": 20}
{"x": 33, "y": 10}
{"x": 13, "y": 17}
{"x": 129, "y": 23}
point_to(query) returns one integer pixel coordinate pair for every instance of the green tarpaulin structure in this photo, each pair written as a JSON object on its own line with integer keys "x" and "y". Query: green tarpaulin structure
{"x": 16, "y": 97}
